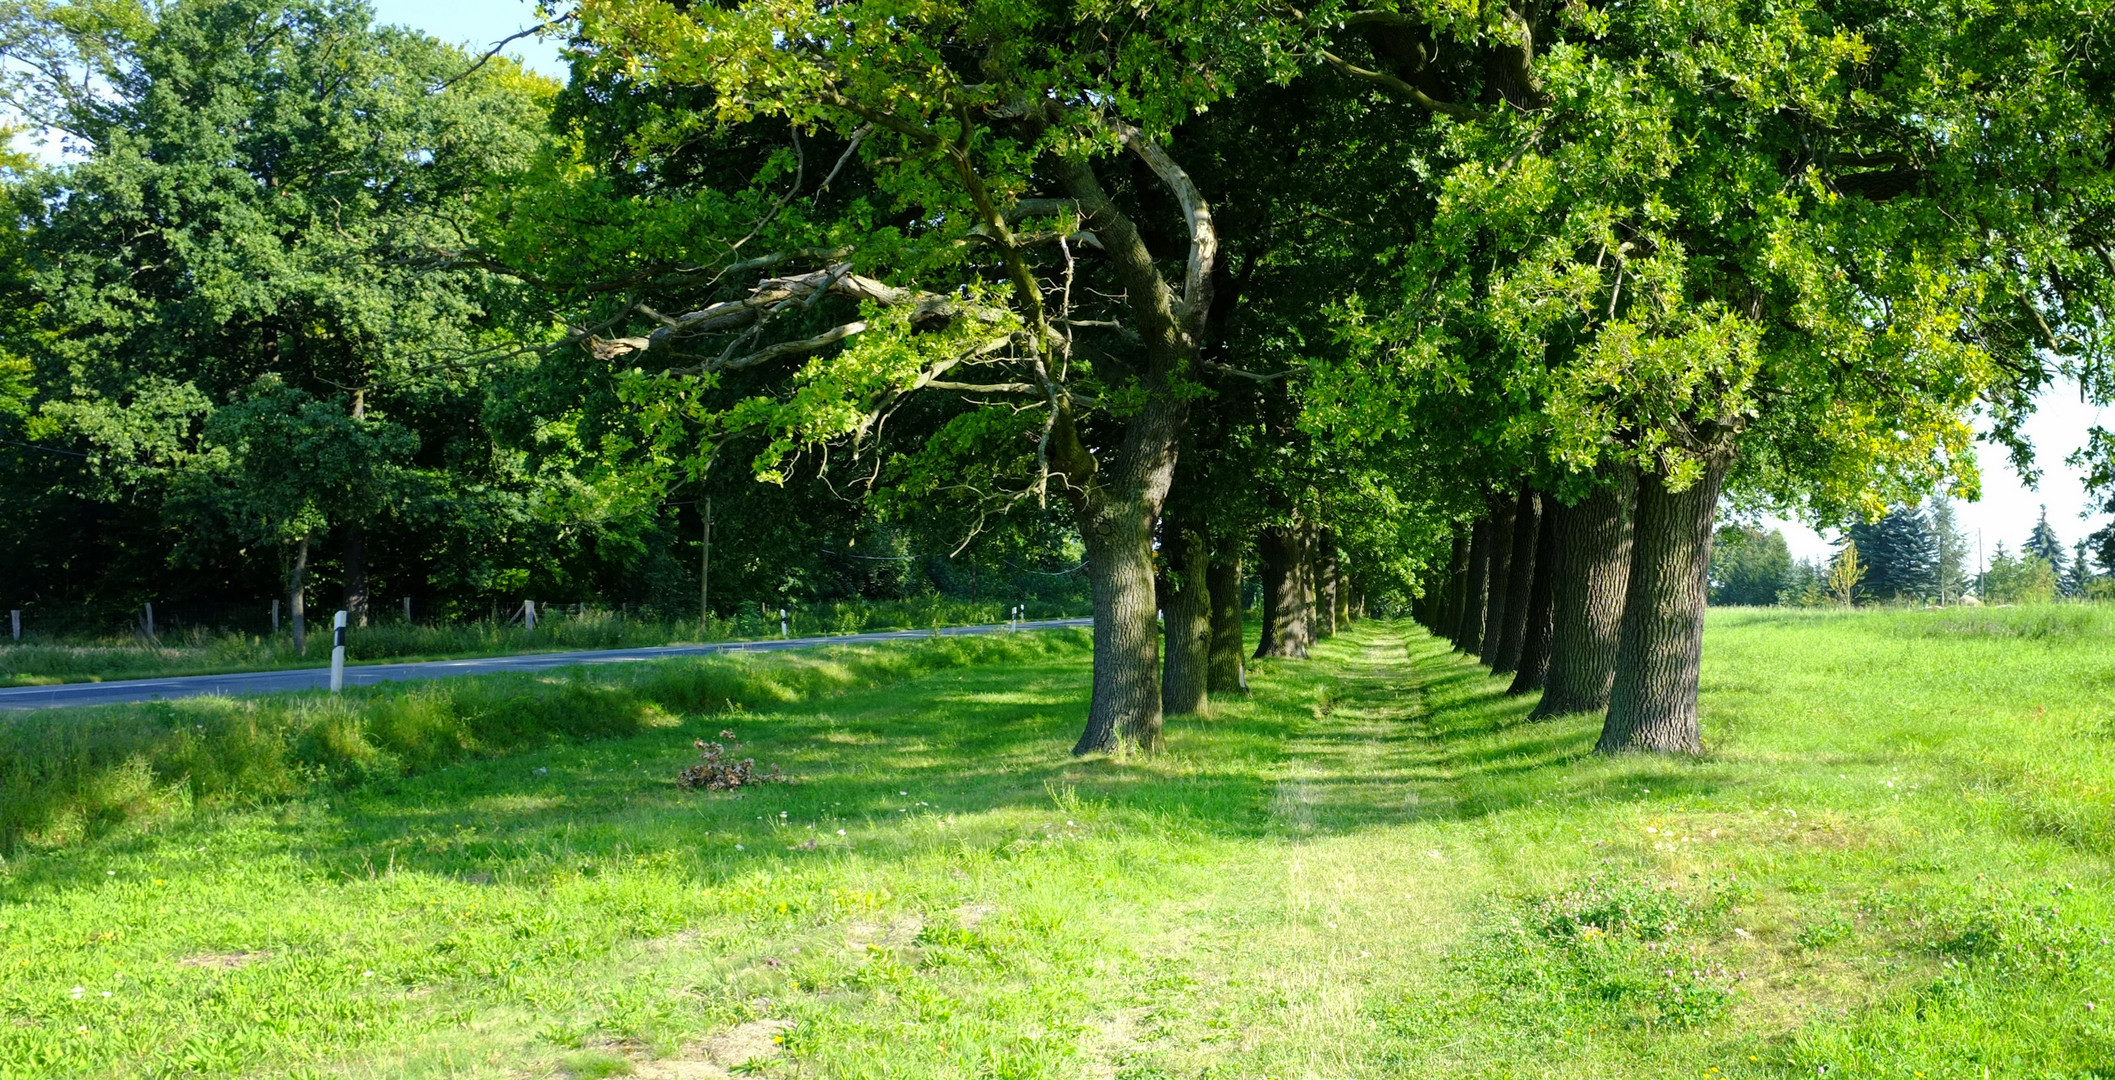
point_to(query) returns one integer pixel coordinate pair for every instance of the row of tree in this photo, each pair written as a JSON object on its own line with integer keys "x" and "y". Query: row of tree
{"x": 1911, "y": 555}
{"x": 1422, "y": 288}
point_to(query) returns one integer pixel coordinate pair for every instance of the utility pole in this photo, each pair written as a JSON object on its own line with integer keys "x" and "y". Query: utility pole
{"x": 705, "y": 572}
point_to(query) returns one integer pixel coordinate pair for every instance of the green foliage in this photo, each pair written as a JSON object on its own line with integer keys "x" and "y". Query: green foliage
{"x": 1901, "y": 552}
{"x": 1749, "y": 566}
{"x": 2022, "y": 579}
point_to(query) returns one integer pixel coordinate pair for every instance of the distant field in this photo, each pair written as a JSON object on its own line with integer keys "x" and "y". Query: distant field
{"x": 1894, "y": 861}
{"x": 199, "y": 652}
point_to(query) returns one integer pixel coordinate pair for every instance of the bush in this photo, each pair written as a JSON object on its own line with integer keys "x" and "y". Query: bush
{"x": 68, "y": 775}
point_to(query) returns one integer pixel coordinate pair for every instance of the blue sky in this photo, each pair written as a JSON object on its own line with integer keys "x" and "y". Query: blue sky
{"x": 476, "y": 23}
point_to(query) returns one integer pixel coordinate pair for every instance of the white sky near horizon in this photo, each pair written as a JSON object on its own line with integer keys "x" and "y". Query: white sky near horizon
{"x": 2009, "y": 508}
{"x": 2006, "y": 512}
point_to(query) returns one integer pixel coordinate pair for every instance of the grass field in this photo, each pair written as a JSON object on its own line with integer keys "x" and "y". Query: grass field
{"x": 1893, "y": 862}
{"x": 39, "y": 662}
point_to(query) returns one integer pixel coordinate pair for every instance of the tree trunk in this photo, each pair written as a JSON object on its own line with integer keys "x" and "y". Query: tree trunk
{"x": 1310, "y": 632}
{"x": 1587, "y": 591}
{"x": 1542, "y": 599}
{"x": 1520, "y": 577}
{"x": 356, "y": 574}
{"x": 296, "y": 609}
{"x": 1187, "y": 619}
{"x": 1653, "y": 704}
{"x": 1125, "y": 706}
{"x": 1223, "y": 584}
{"x": 1450, "y": 593}
{"x": 1475, "y": 591}
{"x": 1284, "y": 633}
{"x": 1332, "y": 589}
{"x": 1321, "y": 569}
{"x": 1495, "y": 579}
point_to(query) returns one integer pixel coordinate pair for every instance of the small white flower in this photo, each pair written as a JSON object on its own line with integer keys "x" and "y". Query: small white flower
{"x": 106, "y": 993}
{"x": 739, "y": 847}
{"x": 367, "y": 974}
{"x": 77, "y": 991}
{"x": 903, "y": 793}
{"x": 840, "y": 832}
{"x": 782, "y": 813}
{"x": 110, "y": 873}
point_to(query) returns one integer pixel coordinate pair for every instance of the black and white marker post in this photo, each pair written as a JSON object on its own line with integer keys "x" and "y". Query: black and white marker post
{"x": 337, "y": 653}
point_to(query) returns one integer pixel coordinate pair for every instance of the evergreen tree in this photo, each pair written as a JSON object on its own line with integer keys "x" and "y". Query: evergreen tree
{"x": 2044, "y": 545}
{"x": 1901, "y": 555}
{"x": 2078, "y": 576}
{"x": 1950, "y": 570}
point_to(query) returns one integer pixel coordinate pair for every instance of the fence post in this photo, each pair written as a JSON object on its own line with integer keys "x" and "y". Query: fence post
{"x": 337, "y": 653}
{"x": 150, "y": 619}
{"x": 528, "y": 615}
{"x": 15, "y": 617}
{"x": 275, "y": 616}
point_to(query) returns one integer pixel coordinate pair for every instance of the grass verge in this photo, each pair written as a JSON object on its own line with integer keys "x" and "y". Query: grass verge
{"x": 68, "y": 775}
{"x": 213, "y": 652}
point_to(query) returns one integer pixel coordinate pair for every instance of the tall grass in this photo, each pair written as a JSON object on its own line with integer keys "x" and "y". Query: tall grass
{"x": 72, "y": 774}
{"x": 200, "y": 651}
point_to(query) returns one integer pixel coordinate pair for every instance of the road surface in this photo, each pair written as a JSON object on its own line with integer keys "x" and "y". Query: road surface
{"x": 276, "y": 682}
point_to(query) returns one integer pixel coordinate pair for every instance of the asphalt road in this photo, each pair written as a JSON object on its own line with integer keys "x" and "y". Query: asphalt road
{"x": 276, "y": 682}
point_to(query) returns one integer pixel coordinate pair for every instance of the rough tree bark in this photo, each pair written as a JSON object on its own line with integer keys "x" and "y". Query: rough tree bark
{"x": 1118, "y": 500}
{"x": 1495, "y": 578}
{"x": 1586, "y": 613}
{"x": 1332, "y": 591}
{"x": 356, "y": 574}
{"x": 1475, "y": 595}
{"x": 1653, "y": 704}
{"x": 1187, "y": 618}
{"x": 1542, "y": 601}
{"x": 1223, "y": 583}
{"x": 1284, "y": 633}
{"x": 1520, "y": 577}
{"x": 1450, "y": 593}
{"x": 296, "y": 606}
{"x": 1306, "y": 540}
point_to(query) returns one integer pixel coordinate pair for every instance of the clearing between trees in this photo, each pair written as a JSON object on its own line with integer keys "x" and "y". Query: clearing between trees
{"x": 1891, "y": 861}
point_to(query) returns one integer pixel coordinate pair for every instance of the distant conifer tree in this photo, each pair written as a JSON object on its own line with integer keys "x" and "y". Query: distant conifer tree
{"x": 1901, "y": 555}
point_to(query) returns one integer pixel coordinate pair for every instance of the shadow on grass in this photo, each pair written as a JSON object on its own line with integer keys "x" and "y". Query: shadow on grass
{"x": 1385, "y": 741}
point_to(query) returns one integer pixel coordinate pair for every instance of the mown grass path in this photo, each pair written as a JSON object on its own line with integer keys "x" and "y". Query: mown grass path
{"x": 1374, "y": 866}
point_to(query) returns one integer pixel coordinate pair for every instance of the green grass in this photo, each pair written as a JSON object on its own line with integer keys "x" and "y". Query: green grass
{"x": 202, "y": 652}
{"x": 1893, "y": 862}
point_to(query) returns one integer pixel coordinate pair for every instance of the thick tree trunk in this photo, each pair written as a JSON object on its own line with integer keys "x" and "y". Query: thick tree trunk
{"x": 296, "y": 593}
{"x": 1587, "y": 591}
{"x": 1284, "y": 628}
{"x": 1223, "y": 583}
{"x": 1475, "y": 591}
{"x": 1520, "y": 577}
{"x": 1312, "y": 632}
{"x": 1340, "y": 588}
{"x": 1653, "y": 705}
{"x": 1332, "y": 592}
{"x": 1495, "y": 579}
{"x": 1187, "y": 619}
{"x": 1450, "y": 594}
{"x": 356, "y": 574}
{"x": 1322, "y": 568}
{"x": 1125, "y": 706}
{"x": 1542, "y": 600}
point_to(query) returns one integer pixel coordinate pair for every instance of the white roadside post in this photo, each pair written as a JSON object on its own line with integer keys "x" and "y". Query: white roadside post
{"x": 337, "y": 653}
{"x": 15, "y": 617}
{"x": 150, "y": 619}
{"x": 782, "y": 631}
{"x": 528, "y": 615}
{"x": 275, "y": 616}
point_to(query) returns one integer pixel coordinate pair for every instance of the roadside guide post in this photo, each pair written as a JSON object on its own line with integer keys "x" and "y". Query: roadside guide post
{"x": 337, "y": 653}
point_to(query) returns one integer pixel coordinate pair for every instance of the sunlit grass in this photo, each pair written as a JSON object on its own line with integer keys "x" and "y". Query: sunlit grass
{"x": 1893, "y": 862}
